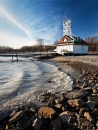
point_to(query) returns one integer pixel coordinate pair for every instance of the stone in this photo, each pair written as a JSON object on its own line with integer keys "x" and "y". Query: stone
{"x": 65, "y": 116}
{"x": 16, "y": 117}
{"x": 24, "y": 123}
{"x": 76, "y": 103}
{"x": 37, "y": 124}
{"x": 87, "y": 123}
{"x": 95, "y": 112}
{"x": 46, "y": 112}
{"x": 93, "y": 99}
{"x": 88, "y": 116}
{"x": 58, "y": 106}
{"x": 33, "y": 110}
{"x": 82, "y": 110}
{"x": 55, "y": 124}
{"x": 90, "y": 105}
{"x": 76, "y": 94}
{"x": 4, "y": 116}
{"x": 51, "y": 101}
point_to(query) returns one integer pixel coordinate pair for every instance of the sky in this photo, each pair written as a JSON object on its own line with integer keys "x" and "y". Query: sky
{"x": 23, "y": 22}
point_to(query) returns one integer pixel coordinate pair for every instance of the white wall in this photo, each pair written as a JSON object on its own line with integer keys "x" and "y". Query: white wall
{"x": 66, "y": 47}
{"x": 76, "y": 49}
{"x": 79, "y": 49}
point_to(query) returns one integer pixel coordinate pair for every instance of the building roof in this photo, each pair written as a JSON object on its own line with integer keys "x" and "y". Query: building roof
{"x": 73, "y": 40}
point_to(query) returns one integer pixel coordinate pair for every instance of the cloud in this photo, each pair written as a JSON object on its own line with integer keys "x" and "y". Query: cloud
{"x": 11, "y": 40}
{"x": 34, "y": 28}
{"x": 4, "y": 14}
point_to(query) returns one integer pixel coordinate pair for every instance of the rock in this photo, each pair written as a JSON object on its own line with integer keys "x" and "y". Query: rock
{"x": 82, "y": 110}
{"x": 46, "y": 112}
{"x": 16, "y": 117}
{"x": 65, "y": 116}
{"x": 24, "y": 124}
{"x": 51, "y": 101}
{"x": 96, "y": 85}
{"x": 76, "y": 103}
{"x": 37, "y": 124}
{"x": 88, "y": 90}
{"x": 95, "y": 112}
{"x": 90, "y": 105}
{"x": 33, "y": 110}
{"x": 58, "y": 106}
{"x": 93, "y": 99}
{"x": 88, "y": 116}
{"x": 55, "y": 124}
{"x": 4, "y": 116}
{"x": 48, "y": 81}
{"x": 87, "y": 123}
{"x": 76, "y": 94}
{"x": 2, "y": 128}
{"x": 43, "y": 97}
{"x": 65, "y": 107}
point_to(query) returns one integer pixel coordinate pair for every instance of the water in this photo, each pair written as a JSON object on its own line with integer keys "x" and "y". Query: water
{"x": 25, "y": 80}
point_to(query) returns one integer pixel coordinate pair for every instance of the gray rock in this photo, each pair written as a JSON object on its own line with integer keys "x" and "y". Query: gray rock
{"x": 76, "y": 94}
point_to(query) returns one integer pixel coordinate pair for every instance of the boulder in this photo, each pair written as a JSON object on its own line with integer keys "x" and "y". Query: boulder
{"x": 76, "y": 103}
{"x": 76, "y": 94}
{"x": 46, "y": 112}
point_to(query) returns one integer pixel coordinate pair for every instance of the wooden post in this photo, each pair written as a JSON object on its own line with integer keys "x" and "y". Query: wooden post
{"x": 12, "y": 58}
{"x": 17, "y": 57}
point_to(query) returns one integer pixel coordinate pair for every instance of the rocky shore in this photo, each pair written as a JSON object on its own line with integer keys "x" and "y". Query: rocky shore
{"x": 74, "y": 110}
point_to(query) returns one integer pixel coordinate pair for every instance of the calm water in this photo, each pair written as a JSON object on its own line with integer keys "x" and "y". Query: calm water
{"x": 24, "y": 80}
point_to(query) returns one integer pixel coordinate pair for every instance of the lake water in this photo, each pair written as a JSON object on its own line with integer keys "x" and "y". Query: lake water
{"x": 25, "y": 80}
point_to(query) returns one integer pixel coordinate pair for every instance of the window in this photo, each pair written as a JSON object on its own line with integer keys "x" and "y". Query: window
{"x": 82, "y": 47}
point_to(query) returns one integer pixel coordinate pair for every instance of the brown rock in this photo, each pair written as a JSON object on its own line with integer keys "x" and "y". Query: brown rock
{"x": 88, "y": 116}
{"x": 46, "y": 112}
{"x": 16, "y": 117}
{"x": 76, "y": 102}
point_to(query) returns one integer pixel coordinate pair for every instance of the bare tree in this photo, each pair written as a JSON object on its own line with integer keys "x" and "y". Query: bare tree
{"x": 40, "y": 43}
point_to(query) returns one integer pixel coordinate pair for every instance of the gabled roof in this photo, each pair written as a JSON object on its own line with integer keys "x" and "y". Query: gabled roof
{"x": 73, "y": 40}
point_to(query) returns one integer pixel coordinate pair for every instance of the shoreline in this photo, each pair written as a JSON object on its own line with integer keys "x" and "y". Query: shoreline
{"x": 73, "y": 110}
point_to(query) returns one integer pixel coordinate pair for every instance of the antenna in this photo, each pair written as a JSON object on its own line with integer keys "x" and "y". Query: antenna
{"x": 67, "y": 27}
{"x": 65, "y": 14}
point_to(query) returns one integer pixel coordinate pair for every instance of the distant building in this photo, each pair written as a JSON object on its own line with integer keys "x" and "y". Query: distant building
{"x": 70, "y": 43}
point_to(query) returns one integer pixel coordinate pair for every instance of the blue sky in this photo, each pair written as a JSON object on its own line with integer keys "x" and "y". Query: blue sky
{"x": 22, "y": 22}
